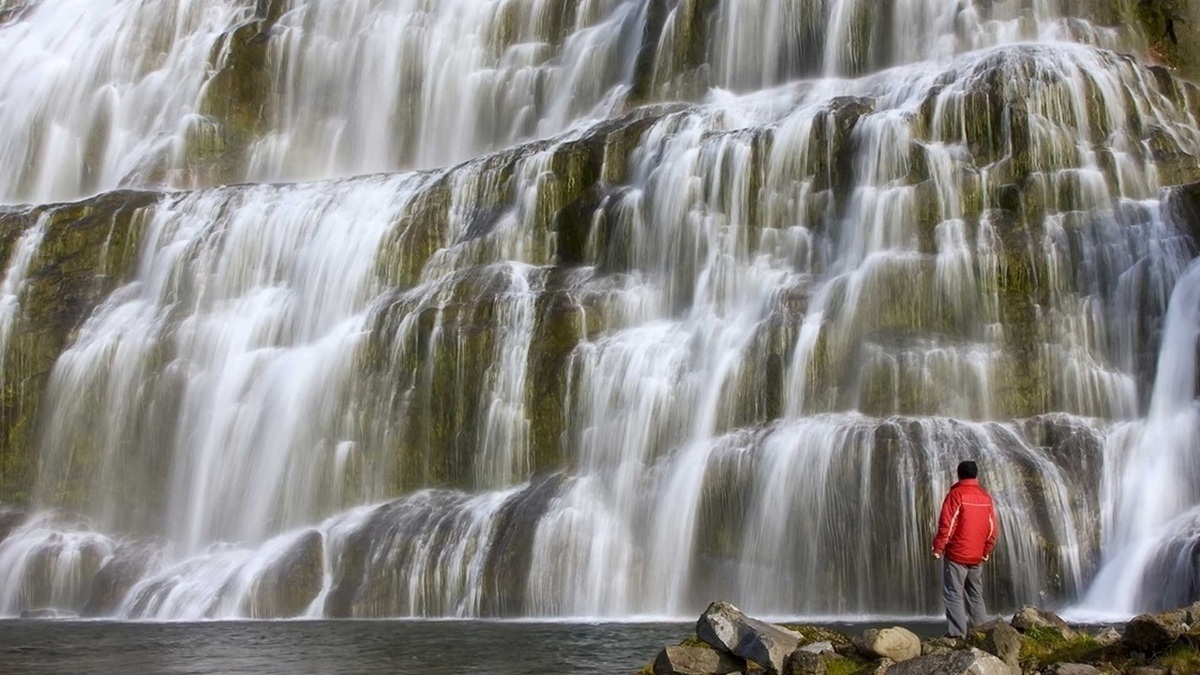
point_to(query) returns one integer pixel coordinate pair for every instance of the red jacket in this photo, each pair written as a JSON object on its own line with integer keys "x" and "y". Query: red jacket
{"x": 967, "y": 528}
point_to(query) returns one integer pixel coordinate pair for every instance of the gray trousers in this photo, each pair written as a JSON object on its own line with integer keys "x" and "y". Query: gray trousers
{"x": 962, "y": 589}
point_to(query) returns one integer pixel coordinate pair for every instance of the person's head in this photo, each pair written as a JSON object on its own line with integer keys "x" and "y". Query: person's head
{"x": 967, "y": 469}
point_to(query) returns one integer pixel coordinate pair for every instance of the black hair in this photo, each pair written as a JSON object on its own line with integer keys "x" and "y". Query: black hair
{"x": 968, "y": 469}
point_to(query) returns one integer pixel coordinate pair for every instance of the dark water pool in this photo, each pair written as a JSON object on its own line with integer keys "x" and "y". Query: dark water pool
{"x": 321, "y": 647}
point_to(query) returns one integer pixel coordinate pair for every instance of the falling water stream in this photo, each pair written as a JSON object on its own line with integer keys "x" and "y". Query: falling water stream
{"x": 605, "y": 308}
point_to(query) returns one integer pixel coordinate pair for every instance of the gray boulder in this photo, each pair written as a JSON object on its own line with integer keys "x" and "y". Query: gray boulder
{"x": 897, "y": 644}
{"x": 1074, "y": 669}
{"x": 1107, "y": 636}
{"x": 727, "y": 628}
{"x": 1029, "y": 616}
{"x": 880, "y": 667}
{"x": 696, "y": 661}
{"x": 1154, "y": 632}
{"x": 721, "y": 626}
{"x": 822, "y": 647}
{"x": 963, "y": 662}
{"x": 801, "y": 662}
{"x": 1003, "y": 641}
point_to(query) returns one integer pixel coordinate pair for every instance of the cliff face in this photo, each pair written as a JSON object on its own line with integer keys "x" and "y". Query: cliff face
{"x": 645, "y": 357}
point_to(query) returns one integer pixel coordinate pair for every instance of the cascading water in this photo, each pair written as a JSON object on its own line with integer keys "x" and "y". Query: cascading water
{"x": 669, "y": 352}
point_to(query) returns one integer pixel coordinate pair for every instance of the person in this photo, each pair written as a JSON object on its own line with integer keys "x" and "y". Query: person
{"x": 966, "y": 534}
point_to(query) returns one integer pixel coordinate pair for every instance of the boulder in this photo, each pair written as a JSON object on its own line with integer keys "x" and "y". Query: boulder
{"x": 962, "y": 662}
{"x": 897, "y": 644}
{"x": 1154, "y": 632}
{"x": 290, "y": 584}
{"x": 118, "y": 575}
{"x": 1148, "y": 670}
{"x": 1029, "y": 616}
{"x": 879, "y": 667}
{"x": 822, "y": 647}
{"x": 1107, "y": 636}
{"x": 727, "y": 628}
{"x": 801, "y": 662}
{"x": 696, "y": 661}
{"x": 1074, "y": 669}
{"x": 1003, "y": 641}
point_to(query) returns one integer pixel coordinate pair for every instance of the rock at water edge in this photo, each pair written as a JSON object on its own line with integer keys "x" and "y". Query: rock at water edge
{"x": 696, "y": 661}
{"x": 897, "y": 644}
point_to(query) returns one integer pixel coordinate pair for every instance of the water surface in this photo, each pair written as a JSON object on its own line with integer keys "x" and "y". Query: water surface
{"x": 328, "y": 647}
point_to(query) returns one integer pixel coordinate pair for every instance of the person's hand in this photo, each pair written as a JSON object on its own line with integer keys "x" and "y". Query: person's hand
{"x": 937, "y": 556}
{"x": 985, "y": 558}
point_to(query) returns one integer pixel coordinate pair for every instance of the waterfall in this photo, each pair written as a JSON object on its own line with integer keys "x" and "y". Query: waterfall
{"x": 96, "y": 95}
{"x": 589, "y": 309}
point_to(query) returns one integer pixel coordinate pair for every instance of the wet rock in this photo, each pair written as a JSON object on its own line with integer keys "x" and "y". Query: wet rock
{"x": 1003, "y": 641}
{"x": 1028, "y": 617}
{"x": 964, "y": 662}
{"x": 1182, "y": 207}
{"x": 1175, "y": 165}
{"x": 89, "y": 248}
{"x": 10, "y": 519}
{"x": 1154, "y": 632}
{"x": 1074, "y": 669}
{"x": 1172, "y": 29}
{"x": 727, "y": 628}
{"x": 897, "y": 644}
{"x": 289, "y": 585}
{"x": 124, "y": 568}
{"x": 685, "y": 660}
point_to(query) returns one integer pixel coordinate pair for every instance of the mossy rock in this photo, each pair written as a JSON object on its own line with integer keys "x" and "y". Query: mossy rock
{"x": 89, "y": 249}
{"x": 1042, "y": 647}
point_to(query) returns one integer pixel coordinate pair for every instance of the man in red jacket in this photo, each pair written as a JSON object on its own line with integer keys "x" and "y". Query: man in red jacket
{"x": 966, "y": 535}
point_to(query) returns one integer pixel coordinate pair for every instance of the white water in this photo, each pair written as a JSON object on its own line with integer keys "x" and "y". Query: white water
{"x": 782, "y": 335}
{"x": 95, "y": 94}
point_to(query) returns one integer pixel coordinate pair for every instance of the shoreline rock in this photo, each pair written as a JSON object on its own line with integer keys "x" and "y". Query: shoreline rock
{"x": 1033, "y": 642}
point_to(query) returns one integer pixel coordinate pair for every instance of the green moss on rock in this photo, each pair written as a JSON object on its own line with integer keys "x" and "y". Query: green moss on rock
{"x": 88, "y": 250}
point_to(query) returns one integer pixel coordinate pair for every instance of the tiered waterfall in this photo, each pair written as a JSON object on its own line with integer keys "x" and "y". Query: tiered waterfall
{"x": 592, "y": 308}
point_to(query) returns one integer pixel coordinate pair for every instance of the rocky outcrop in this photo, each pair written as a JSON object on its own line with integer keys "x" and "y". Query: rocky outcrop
{"x": 1172, "y": 28}
{"x": 235, "y": 102}
{"x": 87, "y": 250}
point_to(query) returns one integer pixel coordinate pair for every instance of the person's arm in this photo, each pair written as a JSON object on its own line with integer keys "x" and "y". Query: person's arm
{"x": 993, "y": 533}
{"x": 947, "y": 522}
